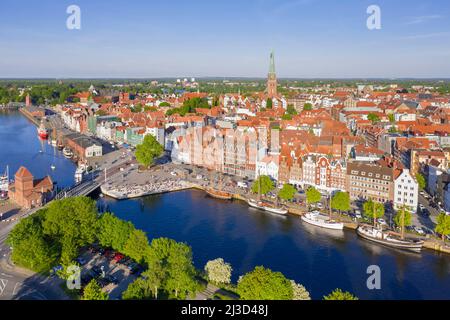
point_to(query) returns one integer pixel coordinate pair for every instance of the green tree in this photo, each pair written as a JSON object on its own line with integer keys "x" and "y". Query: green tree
{"x": 71, "y": 222}
{"x": 307, "y": 106}
{"x": 164, "y": 104}
{"x": 113, "y": 232}
{"x": 373, "y": 210}
{"x": 94, "y": 292}
{"x": 263, "y": 184}
{"x": 341, "y": 201}
{"x": 269, "y": 103}
{"x": 291, "y": 110}
{"x": 403, "y": 219}
{"x": 264, "y": 284}
{"x": 299, "y": 292}
{"x": 139, "y": 289}
{"x": 443, "y": 225}
{"x": 312, "y": 195}
{"x": 421, "y": 181}
{"x": 391, "y": 118}
{"x": 338, "y": 294}
{"x": 218, "y": 271}
{"x": 174, "y": 260}
{"x": 137, "y": 245}
{"x": 286, "y": 116}
{"x": 373, "y": 117}
{"x": 148, "y": 150}
{"x": 30, "y": 249}
{"x": 287, "y": 192}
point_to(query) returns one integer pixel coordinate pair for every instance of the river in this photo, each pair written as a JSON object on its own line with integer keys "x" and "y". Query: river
{"x": 320, "y": 260}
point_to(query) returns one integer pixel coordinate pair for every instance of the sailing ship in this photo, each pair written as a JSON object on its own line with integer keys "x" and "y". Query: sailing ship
{"x": 266, "y": 206}
{"x": 316, "y": 219}
{"x": 219, "y": 194}
{"x": 42, "y": 131}
{"x": 389, "y": 238}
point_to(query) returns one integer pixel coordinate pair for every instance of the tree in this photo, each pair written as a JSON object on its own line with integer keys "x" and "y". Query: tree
{"x": 174, "y": 260}
{"x": 373, "y": 210}
{"x": 136, "y": 246}
{"x": 148, "y": 150}
{"x": 113, "y": 232}
{"x": 291, "y": 110}
{"x": 30, "y": 249}
{"x": 264, "y": 284}
{"x": 139, "y": 289}
{"x": 443, "y": 225}
{"x": 307, "y": 106}
{"x": 341, "y": 201}
{"x": 391, "y": 118}
{"x": 94, "y": 292}
{"x": 286, "y": 116}
{"x": 338, "y": 294}
{"x": 287, "y": 192}
{"x": 269, "y": 103}
{"x": 155, "y": 278}
{"x": 373, "y": 117}
{"x": 218, "y": 271}
{"x": 72, "y": 223}
{"x": 263, "y": 184}
{"x": 403, "y": 218}
{"x": 421, "y": 181}
{"x": 299, "y": 292}
{"x": 312, "y": 195}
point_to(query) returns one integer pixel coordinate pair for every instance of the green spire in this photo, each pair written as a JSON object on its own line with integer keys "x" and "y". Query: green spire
{"x": 272, "y": 63}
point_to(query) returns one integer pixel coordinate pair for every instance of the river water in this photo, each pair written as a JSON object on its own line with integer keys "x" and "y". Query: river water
{"x": 319, "y": 259}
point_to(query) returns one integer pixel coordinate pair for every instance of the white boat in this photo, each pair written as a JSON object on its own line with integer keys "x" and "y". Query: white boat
{"x": 79, "y": 173}
{"x": 53, "y": 143}
{"x": 266, "y": 207}
{"x": 316, "y": 219}
{"x": 4, "y": 181}
{"x": 52, "y": 167}
{"x": 388, "y": 238}
{"x": 67, "y": 153}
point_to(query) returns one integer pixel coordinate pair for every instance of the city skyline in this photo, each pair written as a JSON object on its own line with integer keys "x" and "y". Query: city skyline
{"x": 230, "y": 40}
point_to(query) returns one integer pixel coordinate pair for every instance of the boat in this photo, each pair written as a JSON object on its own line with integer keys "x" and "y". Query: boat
{"x": 219, "y": 194}
{"x": 316, "y": 219}
{"x": 389, "y": 239}
{"x": 67, "y": 153}
{"x": 266, "y": 207}
{"x": 79, "y": 173}
{"x": 4, "y": 181}
{"x": 60, "y": 146}
{"x": 42, "y": 131}
{"x": 53, "y": 167}
{"x": 53, "y": 143}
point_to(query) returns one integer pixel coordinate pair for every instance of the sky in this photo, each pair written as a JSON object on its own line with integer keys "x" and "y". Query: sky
{"x": 217, "y": 38}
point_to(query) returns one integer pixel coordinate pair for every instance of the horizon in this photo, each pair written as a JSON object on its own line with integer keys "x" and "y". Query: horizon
{"x": 230, "y": 39}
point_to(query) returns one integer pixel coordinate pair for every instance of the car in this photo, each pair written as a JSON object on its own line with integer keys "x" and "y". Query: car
{"x": 103, "y": 282}
{"x": 358, "y": 214}
{"x": 112, "y": 279}
{"x": 381, "y": 221}
{"x": 137, "y": 270}
{"x": 118, "y": 257}
{"x": 425, "y": 212}
{"x": 319, "y": 205}
{"x": 85, "y": 279}
{"x": 421, "y": 206}
{"x": 96, "y": 271}
{"x": 81, "y": 261}
{"x": 419, "y": 230}
{"x": 422, "y": 193}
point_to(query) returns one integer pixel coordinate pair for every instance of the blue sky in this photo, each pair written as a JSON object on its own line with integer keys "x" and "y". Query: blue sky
{"x": 174, "y": 38}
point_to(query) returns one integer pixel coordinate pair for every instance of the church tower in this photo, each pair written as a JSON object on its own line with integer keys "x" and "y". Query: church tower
{"x": 272, "y": 78}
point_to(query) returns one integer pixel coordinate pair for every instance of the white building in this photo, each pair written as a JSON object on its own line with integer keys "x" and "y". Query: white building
{"x": 268, "y": 166}
{"x": 406, "y": 190}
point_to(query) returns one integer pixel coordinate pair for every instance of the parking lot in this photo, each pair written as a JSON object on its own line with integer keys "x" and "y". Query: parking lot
{"x": 113, "y": 271}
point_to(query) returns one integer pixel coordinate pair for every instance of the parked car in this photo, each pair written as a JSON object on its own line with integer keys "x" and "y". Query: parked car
{"x": 358, "y": 214}
{"x": 97, "y": 271}
{"x": 81, "y": 261}
{"x": 421, "y": 206}
{"x": 118, "y": 257}
{"x": 112, "y": 279}
{"x": 419, "y": 230}
{"x": 381, "y": 221}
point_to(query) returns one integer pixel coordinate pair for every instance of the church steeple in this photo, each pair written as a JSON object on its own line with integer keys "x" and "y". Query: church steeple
{"x": 272, "y": 78}
{"x": 272, "y": 63}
